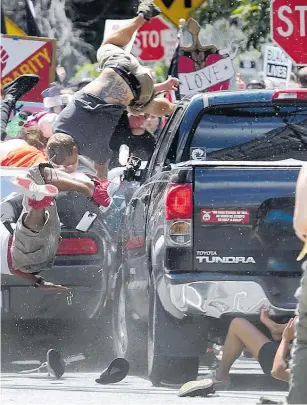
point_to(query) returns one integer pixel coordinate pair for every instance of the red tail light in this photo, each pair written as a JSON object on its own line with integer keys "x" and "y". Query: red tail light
{"x": 77, "y": 246}
{"x": 178, "y": 203}
{"x": 290, "y": 94}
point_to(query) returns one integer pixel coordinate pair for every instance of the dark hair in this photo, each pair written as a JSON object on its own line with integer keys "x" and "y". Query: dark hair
{"x": 59, "y": 147}
{"x": 302, "y": 77}
{"x": 256, "y": 84}
{"x": 34, "y": 136}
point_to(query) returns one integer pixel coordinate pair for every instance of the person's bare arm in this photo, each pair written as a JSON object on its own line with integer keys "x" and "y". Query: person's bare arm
{"x": 159, "y": 107}
{"x": 170, "y": 84}
{"x": 280, "y": 370}
{"x": 39, "y": 282}
{"x": 65, "y": 182}
{"x": 300, "y": 211}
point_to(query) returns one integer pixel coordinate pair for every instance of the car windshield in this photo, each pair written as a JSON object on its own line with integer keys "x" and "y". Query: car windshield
{"x": 257, "y": 133}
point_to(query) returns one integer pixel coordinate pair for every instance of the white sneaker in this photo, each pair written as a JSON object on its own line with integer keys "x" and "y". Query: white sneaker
{"x": 33, "y": 190}
{"x": 202, "y": 387}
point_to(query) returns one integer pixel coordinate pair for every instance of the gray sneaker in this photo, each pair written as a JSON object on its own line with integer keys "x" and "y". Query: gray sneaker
{"x": 148, "y": 9}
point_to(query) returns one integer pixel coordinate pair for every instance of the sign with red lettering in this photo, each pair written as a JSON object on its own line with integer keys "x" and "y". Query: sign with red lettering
{"x": 289, "y": 28}
{"x": 28, "y": 55}
{"x": 226, "y": 216}
{"x": 155, "y": 40}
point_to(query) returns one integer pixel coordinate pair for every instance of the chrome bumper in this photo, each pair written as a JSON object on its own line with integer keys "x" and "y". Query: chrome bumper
{"x": 216, "y": 298}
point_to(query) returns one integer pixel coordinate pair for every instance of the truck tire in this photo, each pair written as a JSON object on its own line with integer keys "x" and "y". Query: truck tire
{"x": 129, "y": 335}
{"x": 161, "y": 368}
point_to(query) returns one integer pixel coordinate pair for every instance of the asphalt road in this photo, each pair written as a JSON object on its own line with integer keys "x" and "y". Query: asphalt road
{"x": 75, "y": 388}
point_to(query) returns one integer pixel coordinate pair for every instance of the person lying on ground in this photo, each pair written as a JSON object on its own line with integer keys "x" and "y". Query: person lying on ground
{"x": 271, "y": 354}
{"x": 123, "y": 84}
{"x": 35, "y": 240}
{"x": 12, "y": 92}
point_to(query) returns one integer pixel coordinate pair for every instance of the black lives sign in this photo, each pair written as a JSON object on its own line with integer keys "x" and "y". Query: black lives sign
{"x": 277, "y": 65}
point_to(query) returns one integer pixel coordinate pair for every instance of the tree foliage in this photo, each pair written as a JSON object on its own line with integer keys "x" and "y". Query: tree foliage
{"x": 251, "y": 16}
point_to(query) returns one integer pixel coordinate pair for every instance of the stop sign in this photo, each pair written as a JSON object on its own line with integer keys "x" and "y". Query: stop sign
{"x": 289, "y": 28}
{"x": 149, "y": 40}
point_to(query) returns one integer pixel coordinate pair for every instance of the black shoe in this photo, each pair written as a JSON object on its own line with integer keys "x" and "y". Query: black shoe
{"x": 116, "y": 372}
{"x": 148, "y": 9}
{"x": 55, "y": 364}
{"x": 20, "y": 86}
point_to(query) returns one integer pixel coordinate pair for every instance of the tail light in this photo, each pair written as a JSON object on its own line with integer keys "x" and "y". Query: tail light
{"x": 179, "y": 202}
{"x": 290, "y": 94}
{"x": 178, "y": 214}
{"x": 77, "y": 246}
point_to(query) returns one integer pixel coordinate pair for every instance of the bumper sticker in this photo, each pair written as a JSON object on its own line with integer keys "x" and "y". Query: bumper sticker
{"x": 229, "y": 216}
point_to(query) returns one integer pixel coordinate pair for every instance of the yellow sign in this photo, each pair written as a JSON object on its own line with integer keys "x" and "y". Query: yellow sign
{"x": 13, "y": 29}
{"x": 174, "y": 10}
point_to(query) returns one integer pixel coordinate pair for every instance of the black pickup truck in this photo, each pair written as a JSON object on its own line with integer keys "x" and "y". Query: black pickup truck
{"x": 208, "y": 235}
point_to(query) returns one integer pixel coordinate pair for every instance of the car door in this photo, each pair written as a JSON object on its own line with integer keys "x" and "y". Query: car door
{"x": 135, "y": 228}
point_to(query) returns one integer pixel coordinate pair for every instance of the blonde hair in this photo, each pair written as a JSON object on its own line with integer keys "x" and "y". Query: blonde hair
{"x": 34, "y": 136}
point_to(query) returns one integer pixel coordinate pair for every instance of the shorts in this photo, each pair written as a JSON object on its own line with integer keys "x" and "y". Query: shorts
{"x": 34, "y": 252}
{"x": 266, "y": 356}
{"x": 114, "y": 54}
{"x": 91, "y": 122}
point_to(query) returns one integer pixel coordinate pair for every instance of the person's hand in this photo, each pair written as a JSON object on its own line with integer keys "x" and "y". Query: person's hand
{"x": 240, "y": 83}
{"x": 300, "y": 224}
{"x": 289, "y": 331}
{"x": 171, "y": 84}
{"x": 46, "y": 285}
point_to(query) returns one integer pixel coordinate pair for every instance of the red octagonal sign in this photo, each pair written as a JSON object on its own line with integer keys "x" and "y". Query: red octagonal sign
{"x": 289, "y": 28}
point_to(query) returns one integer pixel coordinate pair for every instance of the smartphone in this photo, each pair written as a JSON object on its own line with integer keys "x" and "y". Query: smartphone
{"x": 86, "y": 221}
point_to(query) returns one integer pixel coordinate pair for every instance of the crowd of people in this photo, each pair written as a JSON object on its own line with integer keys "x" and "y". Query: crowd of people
{"x": 121, "y": 106}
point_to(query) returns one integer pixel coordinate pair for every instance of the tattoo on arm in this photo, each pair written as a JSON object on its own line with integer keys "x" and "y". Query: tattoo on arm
{"x": 114, "y": 88}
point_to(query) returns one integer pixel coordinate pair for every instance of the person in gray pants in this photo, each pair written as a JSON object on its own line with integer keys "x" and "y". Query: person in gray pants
{"x": 298, "y": 386}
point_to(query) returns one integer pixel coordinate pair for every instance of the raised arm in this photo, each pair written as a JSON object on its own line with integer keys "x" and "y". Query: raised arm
{"x": 280, "y": 369}
{"x": 159, "y": 107}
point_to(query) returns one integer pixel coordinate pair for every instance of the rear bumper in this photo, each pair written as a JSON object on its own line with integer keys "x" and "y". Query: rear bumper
{"x": 215, "y": 298}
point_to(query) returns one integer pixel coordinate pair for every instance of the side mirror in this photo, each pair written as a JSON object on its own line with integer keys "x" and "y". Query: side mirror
{"x": 123, "y": 155}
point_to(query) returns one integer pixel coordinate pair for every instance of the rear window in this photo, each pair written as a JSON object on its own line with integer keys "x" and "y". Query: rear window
{"x": 252, "y": 133}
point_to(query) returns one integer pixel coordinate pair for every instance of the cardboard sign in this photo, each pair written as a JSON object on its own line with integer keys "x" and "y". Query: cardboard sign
{"x": 277, "y": 66}
{"x": 206, "y": 78}
{"x": 227, "y": 216}
{"x": 28, "y": 55}
{"x": 204, "y": 67}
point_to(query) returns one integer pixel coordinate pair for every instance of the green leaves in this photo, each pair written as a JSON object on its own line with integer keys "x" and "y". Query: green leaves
{"x": 251, "y": 16}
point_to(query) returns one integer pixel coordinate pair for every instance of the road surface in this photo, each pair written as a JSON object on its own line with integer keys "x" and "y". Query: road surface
{"x": 248, "y": 384}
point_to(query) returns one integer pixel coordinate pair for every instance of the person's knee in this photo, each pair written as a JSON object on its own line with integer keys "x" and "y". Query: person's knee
{"x": 238, "y": 323}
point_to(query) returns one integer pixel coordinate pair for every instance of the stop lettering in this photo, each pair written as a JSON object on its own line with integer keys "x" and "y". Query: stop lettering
{"x": 149, "y": 40}
{"x": 289, "y": 28}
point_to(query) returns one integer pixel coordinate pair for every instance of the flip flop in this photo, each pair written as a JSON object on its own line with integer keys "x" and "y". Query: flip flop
{"x": 116, "y": 372}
